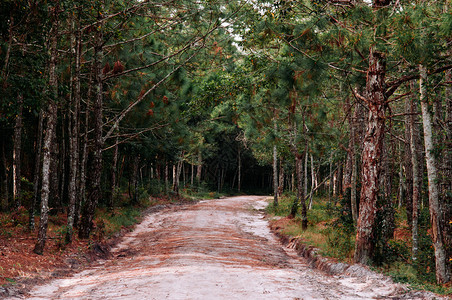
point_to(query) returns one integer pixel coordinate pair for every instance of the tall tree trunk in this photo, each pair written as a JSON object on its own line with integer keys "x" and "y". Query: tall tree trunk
{"x": 311, "y": 193}
{"x": 134, "y": 185}
{"x": 17, "y": 151}
{"x": 54, "y": 198}
{"x": 347, "y": 179}
{"x": 114, "y": 170}
{"x": 199, "y": 168}
{"x": 441, "y": 263}
{"x": 49, "y": 138}
{"x": 299, "y": 175}
{"x": 281, "y": 177}
{"x": 166, "y": 176}
{"x": 306, "y": 174}
{"x": 5, "y": 195}
{"x": 275, "y": 175}
{"x": 192, "y": 175}
{"x": 83, "y": 166}
{"x": 304, "y": 210}
{"x": 416, "y": 181}
{"x": 340, "y": 175}
{"x": 330, "y": 186}
{"x": 36, "y": 177}
{"x": 408, "y": 165}
{"x": 95, "y": 173}
{"x": 175, "y": 187}
{"x": 354, "y": 181}
{"x": 74, "y": 154}
{"x": 62, "y": 163}
{"x": 239, "y": 171}
{"x": 371, "y": 157}
{"x": 447, "y": 162}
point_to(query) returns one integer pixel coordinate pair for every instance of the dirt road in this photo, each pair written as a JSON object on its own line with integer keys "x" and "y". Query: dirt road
{"x": 216, "y": 249}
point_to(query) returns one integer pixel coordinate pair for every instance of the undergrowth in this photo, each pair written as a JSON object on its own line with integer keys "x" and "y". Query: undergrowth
{"x": 331, "y": 230}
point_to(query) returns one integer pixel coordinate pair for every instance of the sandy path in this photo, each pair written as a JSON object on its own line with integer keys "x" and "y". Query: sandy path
{"x": 217, "y": 249}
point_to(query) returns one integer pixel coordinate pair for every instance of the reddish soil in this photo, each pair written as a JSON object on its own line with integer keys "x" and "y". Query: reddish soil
{"x": 218, "y": 249}
{"x": 18, "y": 263}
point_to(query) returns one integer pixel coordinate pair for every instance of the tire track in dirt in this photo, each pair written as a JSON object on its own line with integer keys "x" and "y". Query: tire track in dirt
{"x": 216, "y": 249}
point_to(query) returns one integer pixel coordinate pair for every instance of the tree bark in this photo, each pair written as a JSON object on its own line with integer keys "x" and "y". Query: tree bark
{"x": 74, "y": 154}
{"x": 95, "y": 173}
{"x": 371, "y": 157}
{"x": 36, "y": 177}
{"x": 299, "y": 185}
{"x": 311, "y": 193}
{"x": 441, "y": 263}
{"x": 49, "y": 138}
{"x": 5, "y": 194}
{"x": 83, "y": 165}
{"x": 135, "y": 167}
{"x": 175, "y": 187}
{"x": 408, "y": 165}
{"x": 306, "y": 174}
{"x": 275, "y": 175}
{"x": 416, "y": 193}
{"x": 239, "y": 172}
{"x": 114, "y": 170}
{"x": 199, "y": 168}
{"x": 17, "y": 151}
{"x": 281, "y": 177}
{"x": 54, "y": 198}
{"x": 330, "y": 186}
{"x": 447, "y": 162}
{"x": 166, "y": 176}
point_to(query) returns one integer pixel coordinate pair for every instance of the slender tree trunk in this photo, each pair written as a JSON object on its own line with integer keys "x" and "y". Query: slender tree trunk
{"x": 447, "y": 163}
{"x": 135, "y": 167}
{"x": 304, "y": 210}
{"x": 74, "y": 154}
{"x": 175, "y": 183}
{"x": 330, "y": 186}
{"x": 192, "y": 166}
{"x": 306, "y": 174}
{"x": 350, "y": 151}
{"x": 95, "y": 173}
{"x": 402, "y": 188}
{"x": 17, "y": 151}
{"x": 49, "y": 136}
{"x": 199, "y": 168}
{"x": 54, "y": 198}
{"x": 408, "y": 165}
{"x": 416, "y": 193}
{"x": 281, "y": 177}
{"x": 354, "y": 181}
{"x": 83, "y": 167}
{"x": 114, "y": 170}
{"x": 275, "y": 175}
{"x": 311, "y": 193}
{"x": 441, "y": 263}
{"x": 239, "y": 172}
{"x": 61, "y": 167}
{"x": 5, "y": 195}
{"x": 371, "y": 157}
{"x": 36, "y": 177}
{"x": 299, "y": 175}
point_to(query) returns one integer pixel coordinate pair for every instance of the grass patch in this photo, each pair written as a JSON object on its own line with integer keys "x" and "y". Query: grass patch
{"x": 323, "y": 232}
{"x": 331, "y": 231}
